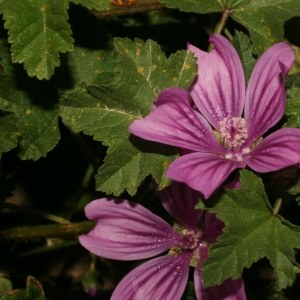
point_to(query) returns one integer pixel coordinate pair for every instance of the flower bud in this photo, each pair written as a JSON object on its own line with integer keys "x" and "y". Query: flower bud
{"x": 92, "y": 283}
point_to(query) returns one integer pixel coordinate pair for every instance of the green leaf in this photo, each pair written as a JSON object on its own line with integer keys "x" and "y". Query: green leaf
{"x": 242, "y": 45}
{"x": 122, "y": 92}
{"x": 263, "y": 19}
{"x": 292, "y": 110}
{"x": 8, "y": 131}
{"x": 38, "y": 31}
{"x": 34, "y": 291}
{"x": 35, "y": 118}
{"x": 252, "y": 231}
{"x": 96, "y": 4}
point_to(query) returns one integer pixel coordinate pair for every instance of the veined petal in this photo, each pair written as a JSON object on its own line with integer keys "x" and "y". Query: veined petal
{"x": 219, "y": 89}
{"x": 126, "y": 231}
{"x": 161, "y": 278}
{"x": 278, "y": 150}
{"x": 213, "y": 228}
{"x": 174, "y": 122}
{"x": 204, "y": 172}
{"x": 265, "y": 97}
{"x": 180, "y": 200}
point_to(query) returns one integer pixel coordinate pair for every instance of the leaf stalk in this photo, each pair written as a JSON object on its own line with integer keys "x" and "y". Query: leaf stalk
{"x": 46, "y": 231}
{"x": 276, "y": 207}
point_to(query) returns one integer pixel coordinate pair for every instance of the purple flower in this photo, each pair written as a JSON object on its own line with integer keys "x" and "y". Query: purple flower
{"x": 128, "y": 231}
{"x": 219, "y": 94}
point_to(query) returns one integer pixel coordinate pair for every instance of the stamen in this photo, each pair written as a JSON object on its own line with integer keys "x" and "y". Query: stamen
{"x": 189, "y": 240}
{"x": 233, "y": 133}
{"x": 246, "y": 150}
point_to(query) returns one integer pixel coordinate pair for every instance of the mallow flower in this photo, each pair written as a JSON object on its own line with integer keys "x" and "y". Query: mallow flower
{"x": 219, "y": 123}
{"x": 128, "y": 231}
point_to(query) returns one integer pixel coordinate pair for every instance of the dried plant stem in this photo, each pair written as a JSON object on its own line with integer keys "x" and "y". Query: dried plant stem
{"x": 34, "y": 212}
{"x": 46, "y": 231}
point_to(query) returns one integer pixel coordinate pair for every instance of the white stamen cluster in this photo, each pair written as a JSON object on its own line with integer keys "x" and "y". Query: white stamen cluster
{"x": 233, "y": 133}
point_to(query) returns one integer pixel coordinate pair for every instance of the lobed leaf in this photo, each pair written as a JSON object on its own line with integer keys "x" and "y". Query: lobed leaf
{"x": 251, "y": 232}
{"x": 120, "y": 93}
{"x": 38, "y": 31}
{"x": 35, "y": 118}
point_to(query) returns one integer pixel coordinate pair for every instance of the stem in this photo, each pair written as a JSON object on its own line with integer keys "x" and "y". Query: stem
{"x": 228, "y": 34}
{"x": 139, "y": 6}
{"x": 46, "y": 231}
{"x": 276, "y": 207}
{"x": 226, "y": 13}
{"x": 34, "y": 212}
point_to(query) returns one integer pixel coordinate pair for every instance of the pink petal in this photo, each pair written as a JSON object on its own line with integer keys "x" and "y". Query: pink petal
{"x": 174, "y": 122}
{"x": 278, "y": 150}
{"x": 126, "y": 231}
{"x": 179, "y": 200}
{"x": 204, "y": 172}
{"x": 213, "y": 228}
{"x": 160, "y": 278}
{"x": 219, "y": 89}
{"x": 265, "y": 97}
{"x": 228, "y": 290}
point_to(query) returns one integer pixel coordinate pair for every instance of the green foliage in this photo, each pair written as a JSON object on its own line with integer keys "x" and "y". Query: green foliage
{"x": 263, "y": 19}
{"x": 242, "y": 45}
{"x": 35, "y": 118}
{"x": 251, "y": 232}
{"x": 38, "y": 31}
{"x": 121, "y": 93}
{"x": 8, "y": 131}
{"x": 34, "y": 291}
{"x": 292, "y": 110}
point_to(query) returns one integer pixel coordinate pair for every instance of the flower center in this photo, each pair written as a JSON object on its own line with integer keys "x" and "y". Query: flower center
{"x": 233, "y": 133}
{"x": 189, "y": 240}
